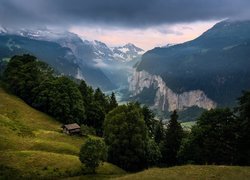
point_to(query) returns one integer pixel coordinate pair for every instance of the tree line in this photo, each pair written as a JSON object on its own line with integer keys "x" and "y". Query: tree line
{"x": 136, "y": 140}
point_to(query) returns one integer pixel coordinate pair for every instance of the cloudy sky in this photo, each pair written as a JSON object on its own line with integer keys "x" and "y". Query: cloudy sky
{"x": 147, "y": 23}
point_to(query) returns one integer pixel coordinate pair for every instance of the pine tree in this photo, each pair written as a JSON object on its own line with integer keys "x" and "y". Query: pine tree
{"x": 172, "y": 142}
{"x": 159, "y": 132}
{"x": 243, "y": 143}
{"x": 112, "y": 103}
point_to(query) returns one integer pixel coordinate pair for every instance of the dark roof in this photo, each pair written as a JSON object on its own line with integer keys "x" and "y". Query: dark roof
{"x": 71, "y": 126}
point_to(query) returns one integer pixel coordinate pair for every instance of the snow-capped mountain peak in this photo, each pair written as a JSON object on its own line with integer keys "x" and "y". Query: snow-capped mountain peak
{"x": 82, "y": 49}
{"x": 127, "y": 52}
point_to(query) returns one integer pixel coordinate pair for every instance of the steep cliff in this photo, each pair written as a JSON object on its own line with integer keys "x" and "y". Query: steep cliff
{"x": 165, "y": 99}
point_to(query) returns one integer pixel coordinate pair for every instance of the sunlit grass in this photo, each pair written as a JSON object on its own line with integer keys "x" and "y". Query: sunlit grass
{"x": 32, "y": 144}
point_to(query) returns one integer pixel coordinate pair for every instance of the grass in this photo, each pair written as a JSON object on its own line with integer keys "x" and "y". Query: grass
{"x": 33, "y": 145}
{"x": 192, "y": 172}
{"x": 188, "y": 125}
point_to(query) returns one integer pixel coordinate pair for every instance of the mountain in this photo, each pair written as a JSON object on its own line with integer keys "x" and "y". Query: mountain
{"x": 127, "y": 53}
{"x": 100, "y": 65}
{"x": 206, "y": 72}
{"x": 64, "y": 51}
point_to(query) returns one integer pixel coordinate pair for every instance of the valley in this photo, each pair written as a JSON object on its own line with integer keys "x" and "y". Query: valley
{"x": 125, "y": 90}
{"x": 167, "y": 78}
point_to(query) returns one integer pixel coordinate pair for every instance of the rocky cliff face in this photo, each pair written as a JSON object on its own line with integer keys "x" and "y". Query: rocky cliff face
{"x": 165, "y": 98}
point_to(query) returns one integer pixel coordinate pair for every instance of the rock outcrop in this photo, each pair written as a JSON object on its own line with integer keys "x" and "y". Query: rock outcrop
{"x": 165, "y": 99}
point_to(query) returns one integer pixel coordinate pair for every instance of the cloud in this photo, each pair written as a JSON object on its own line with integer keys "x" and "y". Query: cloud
{"x": 119, "y": 13}
{"x": 146, "y": 38}
{"x": 100, "y": 64}
{"x": 169, "y": 31}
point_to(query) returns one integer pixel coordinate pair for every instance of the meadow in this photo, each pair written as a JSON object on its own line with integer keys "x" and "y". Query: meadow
{"x": 32, "y": 144}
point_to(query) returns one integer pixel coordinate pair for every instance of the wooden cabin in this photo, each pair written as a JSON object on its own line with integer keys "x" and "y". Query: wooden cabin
{"x": 71, "y": 128}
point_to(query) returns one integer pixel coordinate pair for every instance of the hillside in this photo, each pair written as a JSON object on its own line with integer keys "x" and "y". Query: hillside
{"x": 208, "y": 71}
{"x": 32, "y": 144}
{"x": 192, "y": 172}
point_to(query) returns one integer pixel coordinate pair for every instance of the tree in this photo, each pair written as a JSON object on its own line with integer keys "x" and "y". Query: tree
{"x": 125, "y": 134}
{"x": 112, "y": 102}
{"x": 243, "y": 139}
{"x": 153, "y": 153}
{"x": 94, "y": 103}
{"x": 95, "y": 117}
{"x": 87, "y": 93}
{"x": 149, "y": 119}
{"x": 172, "y": 141}
{"x": 213, "y": 139}
{"x": 159, "y": 132}
{"x": 92, "y": 153}
{"x": 24, "y": 73}
{"x": 60, "y": 98}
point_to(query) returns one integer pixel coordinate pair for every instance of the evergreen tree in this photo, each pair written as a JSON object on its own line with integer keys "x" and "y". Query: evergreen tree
{"x": 149, "y": 120}
{"x": 95, "y": 117}
{"x": 243, "y": 139}
{"x": 172, "y": 141}
{"x": 213, "y": 139}
{"x": 87, "y": 93}
{"x": 159, "y": 132}
{"x": 112, "y": 102}
{"x": 101, "y": 99}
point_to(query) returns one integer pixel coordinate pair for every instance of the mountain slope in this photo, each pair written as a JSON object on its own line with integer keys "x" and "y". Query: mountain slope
{"x": 58, "y": 57}
{"x": 61, "y": 58}
{"x": 100, "y": 65}
{"x": 217, "y": 64}
{"x": 33, "y": 145}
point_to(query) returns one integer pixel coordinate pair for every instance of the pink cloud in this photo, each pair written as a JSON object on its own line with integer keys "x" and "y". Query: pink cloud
{"x": 144, "y": 38}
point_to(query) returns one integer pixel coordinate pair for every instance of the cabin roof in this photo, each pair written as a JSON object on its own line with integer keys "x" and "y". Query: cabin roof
{"x": 71, "y": 126}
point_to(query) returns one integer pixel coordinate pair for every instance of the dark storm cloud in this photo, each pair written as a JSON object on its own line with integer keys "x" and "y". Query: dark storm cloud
{"x": 126, "y": 13}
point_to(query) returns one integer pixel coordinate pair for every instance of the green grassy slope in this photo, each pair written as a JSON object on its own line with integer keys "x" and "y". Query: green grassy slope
{"x": 32, "y": 144}
{"x": 191, "y": 172}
